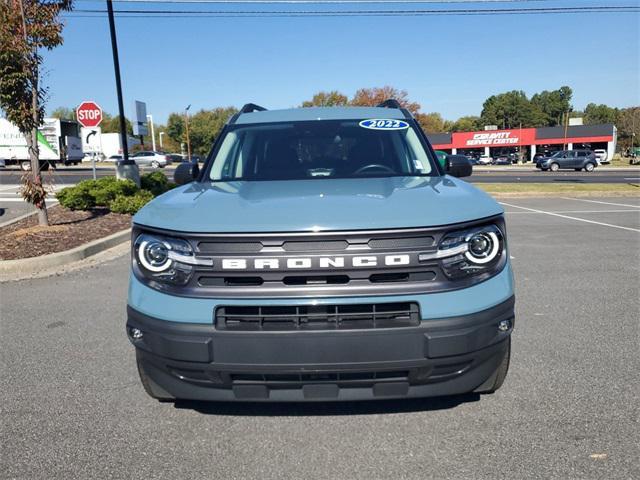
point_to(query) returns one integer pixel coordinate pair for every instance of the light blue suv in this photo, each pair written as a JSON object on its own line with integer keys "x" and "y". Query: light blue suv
{"x": 321, "y": 254}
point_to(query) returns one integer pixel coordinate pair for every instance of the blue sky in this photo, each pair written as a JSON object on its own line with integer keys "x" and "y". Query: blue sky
{"x": 447, "y": 64}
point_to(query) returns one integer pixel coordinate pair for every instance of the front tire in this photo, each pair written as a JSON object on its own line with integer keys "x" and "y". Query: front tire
{"x": 554, "y": 167}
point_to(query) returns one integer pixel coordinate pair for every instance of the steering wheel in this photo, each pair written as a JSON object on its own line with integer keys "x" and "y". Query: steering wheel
{"x": 374, "y": 165}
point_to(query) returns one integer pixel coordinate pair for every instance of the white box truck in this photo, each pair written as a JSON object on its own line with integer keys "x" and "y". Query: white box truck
{"x": 58, "y": 141}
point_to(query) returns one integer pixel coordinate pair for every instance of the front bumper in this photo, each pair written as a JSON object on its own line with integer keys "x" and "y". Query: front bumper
{"x": 439, "y": 357}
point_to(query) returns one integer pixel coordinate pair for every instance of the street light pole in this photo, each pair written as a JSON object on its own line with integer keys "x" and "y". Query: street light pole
{"x": 153, "y": 136}
{"x": 116, "y": 67}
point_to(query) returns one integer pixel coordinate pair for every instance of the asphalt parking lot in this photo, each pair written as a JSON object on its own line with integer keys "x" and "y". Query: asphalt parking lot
{"x": 72, "y": 407}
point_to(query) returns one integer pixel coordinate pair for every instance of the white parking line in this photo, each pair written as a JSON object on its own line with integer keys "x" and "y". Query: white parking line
{"x": 579, "y": 211}
{"x": 571, "y": 218}
{"x": 599, "y": 201}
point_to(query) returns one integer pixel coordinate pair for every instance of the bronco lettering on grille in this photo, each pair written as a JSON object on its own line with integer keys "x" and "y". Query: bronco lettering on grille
{"x": 305, "y": 263}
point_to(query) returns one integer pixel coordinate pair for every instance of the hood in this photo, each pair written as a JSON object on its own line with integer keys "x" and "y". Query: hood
{"x": 317, "y": 205}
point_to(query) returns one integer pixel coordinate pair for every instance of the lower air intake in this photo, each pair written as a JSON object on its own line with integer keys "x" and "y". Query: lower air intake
{"x": 318, "y": 317}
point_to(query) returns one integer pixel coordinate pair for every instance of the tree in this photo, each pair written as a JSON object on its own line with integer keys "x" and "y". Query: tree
{"x": 431, "y": 122}
{"x": 552, "y": 105}
{"x": 510, "y": 110}
{"x": 467, "y": 124}
{"x": 596, "y": 114}
{"x": 175, "y": 127}
{"x": 27, "y": 27}
{"x": 64, "y": 113}
{"x": 629, "y": 127}
{"x": 327, "y": 99}
{"x": 205, "y": 126}
{"x": 373, "y": 96}
{"x": 111, "y": 124}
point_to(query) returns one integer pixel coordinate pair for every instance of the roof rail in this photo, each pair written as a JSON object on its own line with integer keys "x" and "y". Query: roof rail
{"x": 393, "y": 103}
{"x": 252, "y": 107}
{"x": 247, "y": 108}
{"x": 390, "y": 103}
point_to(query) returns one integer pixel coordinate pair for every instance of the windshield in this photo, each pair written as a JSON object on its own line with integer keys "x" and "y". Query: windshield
{"x": 318, "y": 149}
{"x": 557, "y": 154}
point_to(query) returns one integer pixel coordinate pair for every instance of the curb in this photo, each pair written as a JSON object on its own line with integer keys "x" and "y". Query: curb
{"x": 37, "y": 264}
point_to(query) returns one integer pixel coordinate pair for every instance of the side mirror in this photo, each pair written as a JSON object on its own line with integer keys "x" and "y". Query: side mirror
{"x": 458, "y": 166}
{"x": 185, "y": 173}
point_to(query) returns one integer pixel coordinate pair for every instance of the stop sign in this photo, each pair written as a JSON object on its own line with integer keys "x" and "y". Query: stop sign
{"x": 89, "y": 114}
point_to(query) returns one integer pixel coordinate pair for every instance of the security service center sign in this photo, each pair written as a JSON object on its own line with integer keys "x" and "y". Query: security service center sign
{"x": 493, "y": 138}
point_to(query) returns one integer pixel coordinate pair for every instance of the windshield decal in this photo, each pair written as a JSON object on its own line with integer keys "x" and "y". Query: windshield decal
{"x": 384, "y": 124}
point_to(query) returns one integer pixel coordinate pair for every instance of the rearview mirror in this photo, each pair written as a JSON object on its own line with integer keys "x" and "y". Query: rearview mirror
{"x": 185, "y": 173}
{"x": 458, "y": 166}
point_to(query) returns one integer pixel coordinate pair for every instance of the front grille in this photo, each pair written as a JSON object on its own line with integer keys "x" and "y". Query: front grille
{"x": 318, "y": 317}
{"x": 359, "y": 263}
{"x": 344, "y": 379}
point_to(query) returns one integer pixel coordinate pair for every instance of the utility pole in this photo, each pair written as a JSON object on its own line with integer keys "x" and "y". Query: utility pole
{"x": 566, "y": 128}
{"x": 160, "y": 135}
{"x": 186, "y": 118}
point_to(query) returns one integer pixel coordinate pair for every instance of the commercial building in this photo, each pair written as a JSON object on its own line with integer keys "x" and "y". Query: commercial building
{"x": 527, "y": 141}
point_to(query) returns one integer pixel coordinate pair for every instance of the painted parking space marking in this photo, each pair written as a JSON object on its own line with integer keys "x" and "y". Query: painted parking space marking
{"x": 600, "y": 201}
{"x": 577, "y": 211}
{"x": 571, "y": 218}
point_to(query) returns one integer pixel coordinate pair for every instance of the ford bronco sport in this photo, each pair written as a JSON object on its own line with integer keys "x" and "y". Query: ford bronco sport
{"x": 321, "y": 254}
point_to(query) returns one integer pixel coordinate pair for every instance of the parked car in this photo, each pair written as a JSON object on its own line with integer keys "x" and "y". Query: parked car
{"x": 502, "y": 160}
{"x": 91, "y": 156}
{"x": 602, "y": 156}
{"x": 153, "y": 159}
{"x": 321, "y": 260}
{"x": 175, "y": 157}
{"x": 485, "y": 160}
{"x": 569, "y": 159}
{"x": 114, "y": 158}
{"x": 442, "y": 157}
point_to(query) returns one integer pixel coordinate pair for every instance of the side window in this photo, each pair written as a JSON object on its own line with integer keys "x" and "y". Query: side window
{"x": 582, "y": 154}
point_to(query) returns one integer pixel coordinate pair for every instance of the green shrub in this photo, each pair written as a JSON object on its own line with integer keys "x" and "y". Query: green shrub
{"x": 130, "y": 204}
{"x": 75, "y": 198}
{"x": 107, "y": 190}
{"x": 90, "y": 193}
{"x": 156, "y": 182}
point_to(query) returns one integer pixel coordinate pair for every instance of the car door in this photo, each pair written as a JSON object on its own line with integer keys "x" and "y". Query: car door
{"x": 568, "y": 159}
{"x": 142, "y": 158}
{"x": 581, "y": 159}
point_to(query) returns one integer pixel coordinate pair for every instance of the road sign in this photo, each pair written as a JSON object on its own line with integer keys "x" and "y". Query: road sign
{"x": 140, "y": 118}
{"x": 89, "y": 114}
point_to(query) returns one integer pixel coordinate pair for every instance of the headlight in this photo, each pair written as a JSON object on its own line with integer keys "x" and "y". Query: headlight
{"x": 164, "y": 259}
{"x": 475, "y": 251}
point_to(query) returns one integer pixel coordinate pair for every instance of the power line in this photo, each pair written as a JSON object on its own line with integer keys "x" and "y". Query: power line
{"x": 329, "y": 2}
{"x": 358, "y": 13}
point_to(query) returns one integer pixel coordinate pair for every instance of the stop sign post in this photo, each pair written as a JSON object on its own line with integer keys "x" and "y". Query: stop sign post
{"x": 89, "y": 114}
